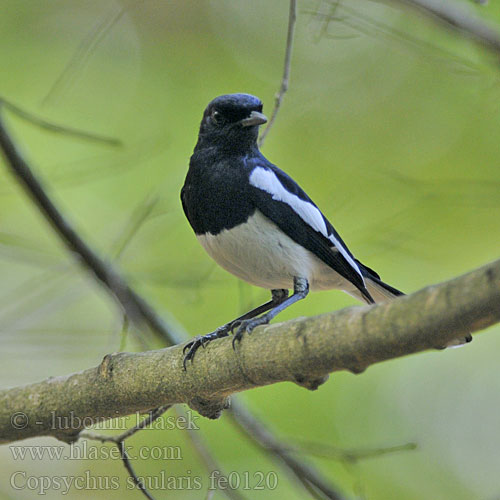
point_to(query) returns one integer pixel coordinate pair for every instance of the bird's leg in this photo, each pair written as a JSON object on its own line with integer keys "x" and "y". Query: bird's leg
{"x": 278, "y": 296}
{"x": 300, "y": 291}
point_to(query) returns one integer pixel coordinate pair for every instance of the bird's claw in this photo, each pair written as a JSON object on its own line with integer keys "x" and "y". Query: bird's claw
{"x": 246, "y": 326}
{"x": 191, "y": 347}
{"x": 201, "y": 341}
{"x": 235, "y": 324}
{"x": 241, "y": 326}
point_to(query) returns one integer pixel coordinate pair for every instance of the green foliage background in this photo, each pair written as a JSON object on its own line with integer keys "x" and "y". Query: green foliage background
{"x": 391, "y": 124}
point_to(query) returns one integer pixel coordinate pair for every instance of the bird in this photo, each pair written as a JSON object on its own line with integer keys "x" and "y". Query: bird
{"x": 257, "y": 223}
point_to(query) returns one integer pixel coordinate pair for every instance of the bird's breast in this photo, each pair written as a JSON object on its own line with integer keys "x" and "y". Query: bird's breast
{"x": 216, "y": 198}
{"x": 258, "y": 252}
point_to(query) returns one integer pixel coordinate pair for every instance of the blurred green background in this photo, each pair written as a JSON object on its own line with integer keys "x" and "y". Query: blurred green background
{"x": 391, "y": 124}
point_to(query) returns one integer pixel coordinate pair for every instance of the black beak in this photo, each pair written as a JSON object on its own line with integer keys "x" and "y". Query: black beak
{"x": 255, "y": 118}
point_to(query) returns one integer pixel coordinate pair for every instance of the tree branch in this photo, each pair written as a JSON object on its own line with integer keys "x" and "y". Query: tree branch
{"x": 59, "y": 129}
{"x": 302, "y": 351}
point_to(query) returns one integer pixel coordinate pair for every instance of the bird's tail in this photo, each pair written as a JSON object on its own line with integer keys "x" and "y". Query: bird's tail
{"x": 382, "y": 292}
{"x": 378, "y": 290}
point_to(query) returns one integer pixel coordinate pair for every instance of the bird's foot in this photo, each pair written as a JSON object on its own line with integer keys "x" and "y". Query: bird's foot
{"x": 200, "y": 341}
{"x": 247, "y": 326}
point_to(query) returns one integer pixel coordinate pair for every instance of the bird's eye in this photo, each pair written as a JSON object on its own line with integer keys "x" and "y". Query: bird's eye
{"x": 217, "y": 117}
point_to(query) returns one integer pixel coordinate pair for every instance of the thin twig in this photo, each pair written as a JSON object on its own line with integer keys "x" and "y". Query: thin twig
{"x": 59, "y": 129}
{"x": 292, "y": 17}
{"x": 84, "y": 51}
{"x": 120, "y": 443}
{"x": 138, "y": 217}
{"x": 126, "y": 462}
{"x": 145, "y": 422}
{"x": 327, "y": 451}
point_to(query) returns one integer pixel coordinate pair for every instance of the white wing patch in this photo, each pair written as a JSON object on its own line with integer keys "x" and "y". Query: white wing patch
{"x": 266, "y": 180}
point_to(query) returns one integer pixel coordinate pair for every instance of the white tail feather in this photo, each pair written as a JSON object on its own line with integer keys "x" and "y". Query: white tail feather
{"x": 379, "y": 293}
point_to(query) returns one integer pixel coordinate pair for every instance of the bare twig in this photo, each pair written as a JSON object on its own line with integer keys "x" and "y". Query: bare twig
{"x": 145, "y": 422}
{"x": 138, "y": 217}
{"x": 84, "y": 51}
{"x": 59, "y": 129}
{"x": 120, "y": 443}
{"x": 126, "y": 462}
{"x": 292, "y": 16}
{"x": 355, "y": 455}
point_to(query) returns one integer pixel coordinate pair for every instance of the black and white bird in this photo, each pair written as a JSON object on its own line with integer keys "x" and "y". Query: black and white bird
{"x": 257, "y": 223}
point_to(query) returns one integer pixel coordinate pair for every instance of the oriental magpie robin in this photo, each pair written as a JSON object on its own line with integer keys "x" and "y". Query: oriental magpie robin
{"x": 258, "y": 224}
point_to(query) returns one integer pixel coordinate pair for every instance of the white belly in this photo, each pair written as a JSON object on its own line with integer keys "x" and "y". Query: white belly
{"x": 261, "y": 254}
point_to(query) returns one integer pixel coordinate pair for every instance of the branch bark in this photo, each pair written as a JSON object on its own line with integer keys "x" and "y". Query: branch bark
{"x": 303, "y": 351}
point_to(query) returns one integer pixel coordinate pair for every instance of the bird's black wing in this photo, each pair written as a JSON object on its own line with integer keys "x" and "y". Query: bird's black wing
{"x": 283, "y": 201}
{"x": 184, "y": 195}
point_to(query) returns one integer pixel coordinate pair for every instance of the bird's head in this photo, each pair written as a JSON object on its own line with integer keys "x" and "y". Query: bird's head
{"x": 231, "y": 122}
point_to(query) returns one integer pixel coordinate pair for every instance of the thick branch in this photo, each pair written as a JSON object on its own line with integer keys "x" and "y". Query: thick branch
{"x": 303, "y": 351}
